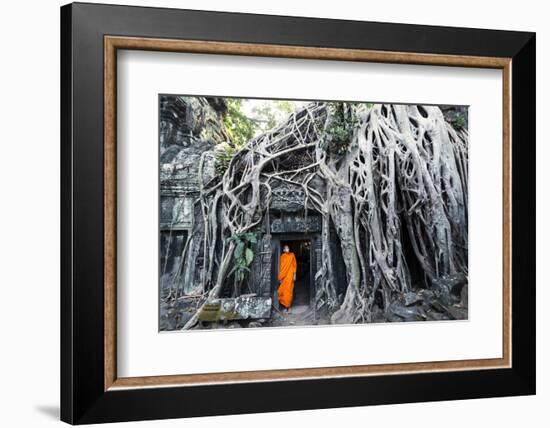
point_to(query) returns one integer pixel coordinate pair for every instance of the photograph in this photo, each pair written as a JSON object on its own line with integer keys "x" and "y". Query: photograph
{"x": 296, "y": 213}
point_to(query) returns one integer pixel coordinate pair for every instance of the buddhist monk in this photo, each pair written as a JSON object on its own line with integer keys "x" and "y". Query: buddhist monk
{"x": 287, "y": 276}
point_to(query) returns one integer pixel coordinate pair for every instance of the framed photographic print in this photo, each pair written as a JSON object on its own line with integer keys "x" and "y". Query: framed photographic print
{"x": 292, "y": 213}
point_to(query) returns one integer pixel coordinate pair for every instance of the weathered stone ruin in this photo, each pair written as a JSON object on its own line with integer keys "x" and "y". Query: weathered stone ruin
{"x": 300, "y": 204}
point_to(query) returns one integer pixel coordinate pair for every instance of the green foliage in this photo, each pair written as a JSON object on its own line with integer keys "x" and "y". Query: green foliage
{"x": 263, "y": 117}
{"x": 458, "y": 122}
{"x": 242, "y": 127}
{"x": 239, "y": 127}
{"x": 337, "y": 137}
{"x": 223, "y": 157}
{"x": 271, "y": 113}
{"x": 243, "y": 254}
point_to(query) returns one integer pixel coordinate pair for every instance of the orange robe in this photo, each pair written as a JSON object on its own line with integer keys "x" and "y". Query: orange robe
{"x": 287, "y": 269}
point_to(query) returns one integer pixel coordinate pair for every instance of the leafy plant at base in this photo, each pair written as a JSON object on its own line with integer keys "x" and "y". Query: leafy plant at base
{"x": 243, "y": 254}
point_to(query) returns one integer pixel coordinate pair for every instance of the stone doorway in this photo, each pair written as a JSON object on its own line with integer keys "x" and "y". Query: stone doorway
{"x": 304, "y": 287}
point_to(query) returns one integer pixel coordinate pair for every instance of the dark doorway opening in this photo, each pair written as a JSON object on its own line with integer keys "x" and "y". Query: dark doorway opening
{"x": 302, "y": 285}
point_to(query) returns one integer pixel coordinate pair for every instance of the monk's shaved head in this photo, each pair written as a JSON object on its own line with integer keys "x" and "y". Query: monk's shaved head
{"x": 286, "y": 248}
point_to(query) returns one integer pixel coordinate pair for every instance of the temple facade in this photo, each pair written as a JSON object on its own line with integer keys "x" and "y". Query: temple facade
{"x": 289, "y": 220}
{"x": 197, "y": 275}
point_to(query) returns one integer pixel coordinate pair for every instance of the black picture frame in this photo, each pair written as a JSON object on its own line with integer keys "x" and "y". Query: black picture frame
{"x": 83, "y": 396}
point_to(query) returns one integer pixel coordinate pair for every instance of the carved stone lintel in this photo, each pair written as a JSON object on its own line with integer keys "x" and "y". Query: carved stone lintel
{"x": 288, "y": 197}
{"x": 298, "y": 223}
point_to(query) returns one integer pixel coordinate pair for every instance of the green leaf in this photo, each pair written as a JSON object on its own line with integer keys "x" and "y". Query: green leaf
{"x": 249, "y": 256}
{"x": 239, "y": 250}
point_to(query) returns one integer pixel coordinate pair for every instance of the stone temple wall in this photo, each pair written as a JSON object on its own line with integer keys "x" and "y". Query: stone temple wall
{"x": 188, "y": 127}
